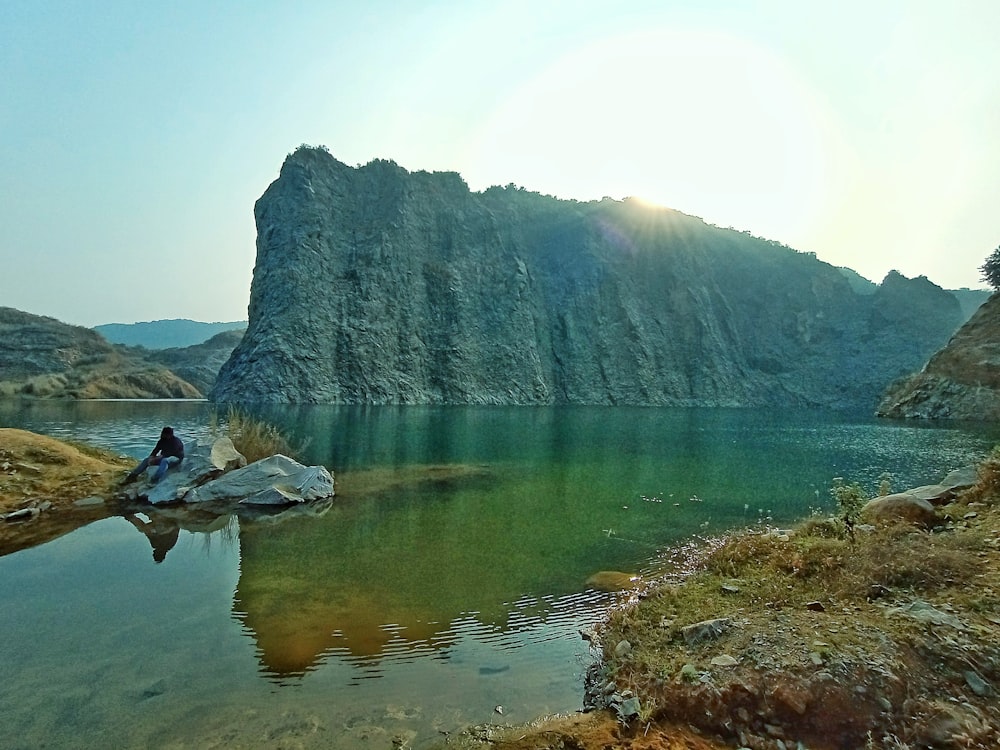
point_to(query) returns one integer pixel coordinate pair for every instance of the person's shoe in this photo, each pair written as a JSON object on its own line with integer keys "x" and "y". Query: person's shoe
{"x": 128, "y": 478}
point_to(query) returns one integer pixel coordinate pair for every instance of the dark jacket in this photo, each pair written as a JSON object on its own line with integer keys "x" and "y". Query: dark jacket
{"x": 169, "y": 446}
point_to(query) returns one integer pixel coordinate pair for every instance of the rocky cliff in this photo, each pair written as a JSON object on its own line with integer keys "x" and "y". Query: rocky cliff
{"x": 962, "y": 381}
{"x": 377, "y": 285}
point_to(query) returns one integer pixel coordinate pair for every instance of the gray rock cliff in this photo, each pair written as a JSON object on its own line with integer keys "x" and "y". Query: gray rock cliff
{"x": 962, "y": 381}
{"x": 377, "y": 285}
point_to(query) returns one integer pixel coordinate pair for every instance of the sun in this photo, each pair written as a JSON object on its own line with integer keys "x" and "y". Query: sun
{"x": 702, "y": 122}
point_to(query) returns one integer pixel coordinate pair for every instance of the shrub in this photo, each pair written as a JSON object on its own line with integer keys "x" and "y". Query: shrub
{"x": 253, "y": 437}
{"x": 991, "y": 269}
{"x": 850, "y": 498}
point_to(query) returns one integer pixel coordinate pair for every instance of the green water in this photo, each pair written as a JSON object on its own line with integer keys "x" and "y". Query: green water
{"x": 448, "y": 577}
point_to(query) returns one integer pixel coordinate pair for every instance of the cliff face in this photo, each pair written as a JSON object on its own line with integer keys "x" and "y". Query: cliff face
{"x": 962, "y": 381}
{"x": 376, "y": 285}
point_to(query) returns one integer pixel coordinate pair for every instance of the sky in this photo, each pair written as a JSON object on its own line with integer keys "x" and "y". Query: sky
{"x": 135, "y": 137}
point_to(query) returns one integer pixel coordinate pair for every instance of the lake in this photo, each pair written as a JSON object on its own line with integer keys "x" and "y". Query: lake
{"x": 448, "y": 577}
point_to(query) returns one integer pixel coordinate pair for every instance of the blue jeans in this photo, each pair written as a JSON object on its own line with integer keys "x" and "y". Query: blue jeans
{"x": 162, "y": 464}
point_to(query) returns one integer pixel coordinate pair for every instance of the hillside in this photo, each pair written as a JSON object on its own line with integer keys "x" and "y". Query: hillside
{"x": 199, "y": 364}
{"x": 165, "y": 334}
{"x": 962, "y": 381}
{"x": 377, "y": 285}
{"x": 42, "y": 357}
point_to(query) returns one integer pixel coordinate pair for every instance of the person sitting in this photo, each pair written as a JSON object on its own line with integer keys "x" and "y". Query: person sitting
{"x": 168, "y": 451}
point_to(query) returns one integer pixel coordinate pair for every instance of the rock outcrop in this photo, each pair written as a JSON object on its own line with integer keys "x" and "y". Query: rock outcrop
{"x": 218, "y": 474}
{"x": 376, "y": 285}
{"x": 962, "y": 381}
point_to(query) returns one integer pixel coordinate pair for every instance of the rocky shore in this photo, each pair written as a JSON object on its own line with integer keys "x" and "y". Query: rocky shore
{"x": 879, "y": 629}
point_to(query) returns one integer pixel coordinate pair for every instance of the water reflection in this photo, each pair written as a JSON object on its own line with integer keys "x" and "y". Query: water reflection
{"x": 161, "y": 532}
{"x": 455, "y": 555}
{"x": 404, "y": 564}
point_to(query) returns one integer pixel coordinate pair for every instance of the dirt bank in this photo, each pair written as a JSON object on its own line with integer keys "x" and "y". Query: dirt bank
{"x": 59, "y": 486}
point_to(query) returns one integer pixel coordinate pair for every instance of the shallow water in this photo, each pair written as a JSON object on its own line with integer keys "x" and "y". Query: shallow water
{"x": 449, "y": 576}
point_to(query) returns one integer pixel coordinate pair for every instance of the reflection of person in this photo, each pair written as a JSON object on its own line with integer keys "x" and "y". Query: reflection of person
{"x": 161, "y": 532}
{"x": 168, "y": 451}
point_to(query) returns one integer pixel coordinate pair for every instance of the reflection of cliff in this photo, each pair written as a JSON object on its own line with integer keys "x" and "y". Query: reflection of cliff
{"x": 398, "y": 565}
{"x": 336, "y": 585}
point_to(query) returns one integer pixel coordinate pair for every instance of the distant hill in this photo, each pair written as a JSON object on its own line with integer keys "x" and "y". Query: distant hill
{"x": 165, "y": 334}
{"x": 968, "y": 299}
{"x": 200, "y": 364}
{"x": 42, "y": 357}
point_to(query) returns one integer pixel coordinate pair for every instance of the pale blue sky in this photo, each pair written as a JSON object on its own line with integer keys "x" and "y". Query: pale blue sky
{"x": 135, "y": 137}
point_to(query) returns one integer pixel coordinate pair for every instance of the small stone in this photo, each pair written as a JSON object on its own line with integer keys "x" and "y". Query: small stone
{"x": 84, "y": 502}
{"x": 24, "y": 514}
{"x": 588, "y": 635}
{"x": 628, "y": 709}
{"x": 623, "y": 649}
{"x": 729, "y": 588}
{"x": 816, "y": 658}
{"x": 969, "y": 516}
{"x": 815, "y": 606}
{"x": 707, "y": 630}
{"x": 924, "y": 612}
{"x": 978, "y": 685}
{"x": 499, "y": 710}
{"x": 796, "y": 698}
{"x": 724, "y": 660}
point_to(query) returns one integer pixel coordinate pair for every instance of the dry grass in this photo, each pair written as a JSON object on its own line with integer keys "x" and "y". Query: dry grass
{"x": 253, "y": 437}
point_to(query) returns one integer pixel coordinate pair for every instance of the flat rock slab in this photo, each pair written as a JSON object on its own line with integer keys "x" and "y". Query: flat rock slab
{"x": 219, "y": 473}
{"x": 276, "y": 480}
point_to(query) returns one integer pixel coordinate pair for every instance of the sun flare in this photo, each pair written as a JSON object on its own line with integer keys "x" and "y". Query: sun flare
{"x": 705, "y": 123}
